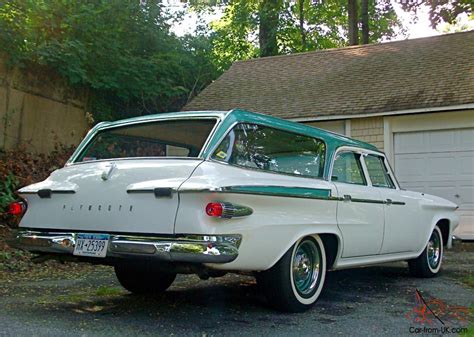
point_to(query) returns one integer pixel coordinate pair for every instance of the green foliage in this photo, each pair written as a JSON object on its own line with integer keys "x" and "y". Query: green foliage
{"x": 125, "y": 57}
{"x": 323, "y": 25}
{"x": 303, "y": 25}
{"x": 8, "y": 187}
{"x": 441, "y": 11}
{"x": 19, "y": 168}
{"x": 122, "y": 51}
{"x": 236, "y": 33}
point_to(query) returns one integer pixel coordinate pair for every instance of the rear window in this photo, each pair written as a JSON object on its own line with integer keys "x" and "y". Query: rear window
{"x": 178, "y": 138}
{"x": 269, "y": 149}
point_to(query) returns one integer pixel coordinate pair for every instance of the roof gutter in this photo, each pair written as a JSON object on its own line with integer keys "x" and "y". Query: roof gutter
{"x": 386, "y": 113}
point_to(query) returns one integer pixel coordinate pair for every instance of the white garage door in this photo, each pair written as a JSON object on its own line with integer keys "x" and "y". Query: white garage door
{"x": 440, "y": 163}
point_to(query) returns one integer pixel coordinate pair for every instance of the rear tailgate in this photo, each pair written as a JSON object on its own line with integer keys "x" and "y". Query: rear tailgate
{"x": 128, "y": 196}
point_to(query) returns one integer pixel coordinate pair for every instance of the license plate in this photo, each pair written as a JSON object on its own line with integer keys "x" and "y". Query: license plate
{"x": 94, "y": 245}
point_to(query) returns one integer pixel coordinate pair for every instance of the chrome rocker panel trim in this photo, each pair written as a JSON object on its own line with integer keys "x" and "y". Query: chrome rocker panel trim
{"x": 185, "y": 248}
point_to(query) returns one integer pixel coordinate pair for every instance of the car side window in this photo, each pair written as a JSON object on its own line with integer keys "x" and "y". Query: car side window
{"x": 347, "y": 168}
{"x": 378, "y": 173}
{"x": 269, "y": 149}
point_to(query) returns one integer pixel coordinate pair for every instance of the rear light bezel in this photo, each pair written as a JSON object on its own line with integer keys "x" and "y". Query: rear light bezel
{"x": 17, "y": 208}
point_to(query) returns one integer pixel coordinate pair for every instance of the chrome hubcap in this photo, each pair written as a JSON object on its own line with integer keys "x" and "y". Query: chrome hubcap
{"x": 434, "y": 250}
{"x": 305, "y": 267}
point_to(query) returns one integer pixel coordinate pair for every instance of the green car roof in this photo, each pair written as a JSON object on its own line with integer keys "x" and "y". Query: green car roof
{"x": 229, "y": 118}
{"x": 333, "y": 140}
{"x": 240, "y": 115}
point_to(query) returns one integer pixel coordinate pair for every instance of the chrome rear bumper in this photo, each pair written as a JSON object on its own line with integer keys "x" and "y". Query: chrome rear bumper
{"x": 185, "y": 248}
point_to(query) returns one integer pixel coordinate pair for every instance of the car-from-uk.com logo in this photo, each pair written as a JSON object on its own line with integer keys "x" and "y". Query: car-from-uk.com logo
{"x": 434, "y": 316}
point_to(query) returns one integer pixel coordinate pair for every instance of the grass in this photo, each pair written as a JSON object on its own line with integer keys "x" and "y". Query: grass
{"x": 87, "y": 296}
{"x": 470, "y": 328}
{"x": 469, "y": 280}
{"x": 109, "y": 291}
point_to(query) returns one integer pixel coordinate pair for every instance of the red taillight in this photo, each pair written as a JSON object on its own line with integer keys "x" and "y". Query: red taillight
{"x": 16, "y": 208}
{"x": 214, "y": 209}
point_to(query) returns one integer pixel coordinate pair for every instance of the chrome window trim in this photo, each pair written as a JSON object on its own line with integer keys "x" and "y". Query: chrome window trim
{"x": 384, "y": 159}
{"x": 221, "y": 139}
{"x": 362, "y": 165}
{"x": 92, "y": 133}
{"x": 134, "y": 158}
{"x": 391, "y": 172}
{"x": 363, "y": 151}
{"x": 232, "y": 190}
{"x": 231, "y": 127}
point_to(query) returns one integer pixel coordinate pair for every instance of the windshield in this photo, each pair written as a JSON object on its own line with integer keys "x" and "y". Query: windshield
{"x": 172, "y": 138}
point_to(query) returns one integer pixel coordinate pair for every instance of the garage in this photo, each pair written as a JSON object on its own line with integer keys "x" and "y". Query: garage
{"x": 439, "y": 162}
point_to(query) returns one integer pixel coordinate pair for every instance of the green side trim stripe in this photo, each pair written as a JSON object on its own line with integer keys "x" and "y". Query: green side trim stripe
{"x": 282, "y": 191}
{"x": 298, "y": 192}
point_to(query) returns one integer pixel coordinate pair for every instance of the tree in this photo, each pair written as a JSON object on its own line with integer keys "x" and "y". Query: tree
{"x": 365, "y": 21}
{"x": 234, "y": 36}
{"x": 122, "y": 52}
{"x": 441, "y": 11}
{"x": 353, "y": 22}
{"x": 268, "y": 13}
{"x": 267, "y": 27}
{"x": 302, "y": 28}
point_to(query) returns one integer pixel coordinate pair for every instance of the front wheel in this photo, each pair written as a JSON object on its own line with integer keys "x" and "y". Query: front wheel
{"x": 428, "y": 263}
{"x": 143, "y": 279}
{"x": 295, "y": 282}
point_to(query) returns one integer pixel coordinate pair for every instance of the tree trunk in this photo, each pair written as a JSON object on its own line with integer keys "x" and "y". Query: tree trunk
{"x": 353, "y": 22}
{"x": 267, "y": 35}
{"x": 365, "y": 21}
{"x": 301, "y": 19}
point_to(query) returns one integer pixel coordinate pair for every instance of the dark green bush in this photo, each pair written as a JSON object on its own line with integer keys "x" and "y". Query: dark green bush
{"x": 20, "y": 167}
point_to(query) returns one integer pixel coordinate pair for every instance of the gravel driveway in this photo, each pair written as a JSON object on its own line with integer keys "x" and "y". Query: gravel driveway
{"x": 370, "y": 301}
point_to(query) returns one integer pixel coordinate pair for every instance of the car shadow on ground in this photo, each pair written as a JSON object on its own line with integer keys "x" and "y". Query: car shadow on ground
{"x": 235, "y": 293}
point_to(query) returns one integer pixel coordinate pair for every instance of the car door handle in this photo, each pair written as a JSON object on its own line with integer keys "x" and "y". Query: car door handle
{"x": 389, "y": 201}
{"x": 347, "y": 197}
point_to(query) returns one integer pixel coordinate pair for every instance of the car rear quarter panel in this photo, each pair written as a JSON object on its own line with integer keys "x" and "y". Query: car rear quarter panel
{"x": 276, "y": 224}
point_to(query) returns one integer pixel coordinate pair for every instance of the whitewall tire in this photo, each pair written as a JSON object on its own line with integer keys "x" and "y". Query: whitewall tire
{"x": 296, "y": 281}
{"x": 429, "y": 262}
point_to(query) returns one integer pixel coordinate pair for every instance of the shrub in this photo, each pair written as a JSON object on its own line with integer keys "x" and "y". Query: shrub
{"x": 20, "y": 167}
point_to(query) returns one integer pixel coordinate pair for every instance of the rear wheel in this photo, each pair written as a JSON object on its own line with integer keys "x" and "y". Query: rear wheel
{"x": 143, "y": 279}
{"x": 428, "y": 263}
{"x": 295, "y": 282}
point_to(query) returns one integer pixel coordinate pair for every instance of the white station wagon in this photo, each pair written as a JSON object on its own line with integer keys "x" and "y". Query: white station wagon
{"x": 215, "y": 192}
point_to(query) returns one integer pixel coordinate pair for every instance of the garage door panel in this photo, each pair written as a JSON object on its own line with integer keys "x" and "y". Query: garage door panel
{"x": 466, "y": 194}
{"x": 410, "y": 167}
{"x": 439, "y": 141}
{"x": 466, "y": 139}
{"x": 465, "y": 163}
{"x": 440, "y": 163}
{"x": 434, "y": 166}
{"x": 434, "y": 141}
{"x": 410, "y": 143}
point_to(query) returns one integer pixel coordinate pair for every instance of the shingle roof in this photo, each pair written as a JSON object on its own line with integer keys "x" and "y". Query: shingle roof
{"x": 420, "y": 73}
